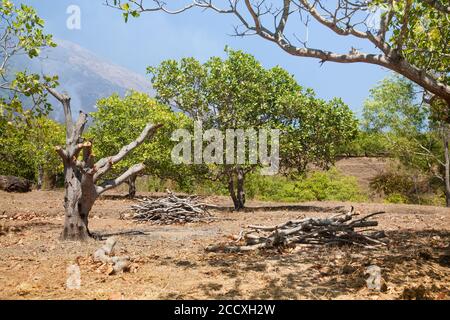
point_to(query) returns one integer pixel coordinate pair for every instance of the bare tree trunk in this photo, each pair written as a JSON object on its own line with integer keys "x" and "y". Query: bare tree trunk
{"x": 132, "y": 187}
{"x": 446, "y": 134}
{"x": 232, "y": 191}
{"x": 49, "y": 182}
{"x": 240, "y": 188}
{"x": 237, "y": 194}
{"x": 80, "y": 196}
{"x": 81, "y": 173}
{"x": 40, "y": 178}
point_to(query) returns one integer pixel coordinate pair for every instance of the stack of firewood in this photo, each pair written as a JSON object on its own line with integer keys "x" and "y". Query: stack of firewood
{"x": 340, "y": 229}
{"x": 171, "y": 209}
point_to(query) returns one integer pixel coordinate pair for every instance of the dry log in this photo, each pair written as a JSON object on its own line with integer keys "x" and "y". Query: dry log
{"x": 171, "y": 209}
{"x": 105, "y": 255}
{"x": 14, "y": 184}
{"x": 339, "y": 229}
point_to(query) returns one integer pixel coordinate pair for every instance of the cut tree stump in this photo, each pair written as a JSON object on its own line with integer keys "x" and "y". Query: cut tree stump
{"x": 15, "y": 184}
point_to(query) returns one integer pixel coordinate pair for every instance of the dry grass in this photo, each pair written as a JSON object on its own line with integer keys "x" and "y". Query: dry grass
{"x": 169, "y": 262}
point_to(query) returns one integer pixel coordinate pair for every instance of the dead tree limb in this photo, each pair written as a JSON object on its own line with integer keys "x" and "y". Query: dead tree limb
{"x": 336, "y": 230}
{"x": 171, "y": 209}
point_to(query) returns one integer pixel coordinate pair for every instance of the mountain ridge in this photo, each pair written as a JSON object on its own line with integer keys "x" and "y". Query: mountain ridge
{"x": 85, "y": 76}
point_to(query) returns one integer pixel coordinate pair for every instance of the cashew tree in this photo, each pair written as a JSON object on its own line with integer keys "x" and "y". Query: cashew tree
{"x": 83, "y": 176}
{"x": 409, "y": 37}
{"x": 113, "y": 125}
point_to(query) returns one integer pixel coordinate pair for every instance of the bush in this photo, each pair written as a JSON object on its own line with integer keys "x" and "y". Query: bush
{"x": 321, "y": 186}
{"x": 271, "y": 188}
{"x": 366, "y": 145}
{"x": 396, "y": 198}
{"x": 390, "y": 183}
{"x": 405, "y": 186}
{"x": 329, "y": 185}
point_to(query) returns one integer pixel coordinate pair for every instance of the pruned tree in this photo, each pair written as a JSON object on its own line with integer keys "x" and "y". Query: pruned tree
{"x": 83, "y": 176}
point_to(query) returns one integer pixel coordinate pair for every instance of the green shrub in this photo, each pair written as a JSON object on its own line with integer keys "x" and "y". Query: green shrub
{"x": 396, "y": 198}
{"x": 271, "y": 188}
{"x": 322, "y": 186}
{"x": 389, "y": 183}
{"x": 329, "y": 185}
{"x": 366, "y": 145}
{"x": 405, "y": 186}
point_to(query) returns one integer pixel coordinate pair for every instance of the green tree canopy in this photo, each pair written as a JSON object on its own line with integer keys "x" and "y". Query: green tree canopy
{"x": 116, "y": 122}
{"x": 23, "y": 94}
{"x": 239, "y": 93}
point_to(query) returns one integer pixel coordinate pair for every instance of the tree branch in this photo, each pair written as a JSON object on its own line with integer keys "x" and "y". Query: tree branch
{"x": 61, "y": 152}
{"x": 79, "y": 126}
{"x": 339, "y": 22}
{"x": 110, "y": 184}
{"x": 65, "y": 101}
{"x": 105, "y": 164}
{"x": 404, "y": 28}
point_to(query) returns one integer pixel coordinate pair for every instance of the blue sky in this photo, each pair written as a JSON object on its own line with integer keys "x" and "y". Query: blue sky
{"x": 155, "y": 37}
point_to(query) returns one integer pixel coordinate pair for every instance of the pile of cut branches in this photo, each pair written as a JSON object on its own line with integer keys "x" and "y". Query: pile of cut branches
{"x": 340, "y": 229}
{"x": 171, "y": 209}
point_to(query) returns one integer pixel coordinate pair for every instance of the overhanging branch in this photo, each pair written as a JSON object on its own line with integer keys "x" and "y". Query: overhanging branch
{"x": 340, "y": 21}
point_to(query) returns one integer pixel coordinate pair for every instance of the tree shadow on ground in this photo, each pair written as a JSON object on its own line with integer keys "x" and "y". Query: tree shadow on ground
{"x": 268, "y": 208}
{"x": 332, "y": 272}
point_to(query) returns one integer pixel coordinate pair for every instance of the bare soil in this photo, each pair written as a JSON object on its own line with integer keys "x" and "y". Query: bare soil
{"x": 169, "y": 262}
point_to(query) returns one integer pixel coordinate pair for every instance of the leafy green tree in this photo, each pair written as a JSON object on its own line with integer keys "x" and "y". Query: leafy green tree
{"x": 25, "y": 133}
{"x": 413, "y": 135}
{"x": 393, "y": 106}
{"x": 238, "y": 93}
{"x": 313, "y": 131}
{"x": 366, "y": 144}
{"x": 28, "y": 148}
{"x": 114, "y": 124}
{"x": 23, "y": 94}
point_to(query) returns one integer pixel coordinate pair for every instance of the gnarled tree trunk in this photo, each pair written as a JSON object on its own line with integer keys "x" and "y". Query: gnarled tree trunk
{"x": 237, "y": 194}
{"x": 81, "y": 173}
{"x": 132, "y": 187}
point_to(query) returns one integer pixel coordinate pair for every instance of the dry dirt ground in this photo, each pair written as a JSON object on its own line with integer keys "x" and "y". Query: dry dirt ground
{"x": 169, "y": 262}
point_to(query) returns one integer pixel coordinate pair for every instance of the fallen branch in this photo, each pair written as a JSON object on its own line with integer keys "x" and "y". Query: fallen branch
{"x": 106, "y": 255}
{"x": 336, "y": 230}
{"x": 171, "y": 209}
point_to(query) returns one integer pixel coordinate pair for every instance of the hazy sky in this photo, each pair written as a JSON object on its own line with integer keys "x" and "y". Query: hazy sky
{"x": 155, "y": 37}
